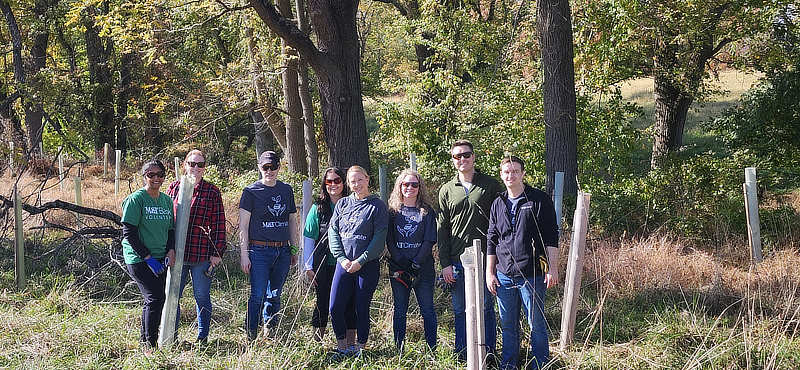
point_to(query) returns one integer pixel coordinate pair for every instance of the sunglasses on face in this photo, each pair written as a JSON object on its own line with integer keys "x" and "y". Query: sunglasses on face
{"x": 462, "y": 155}
{"x": 160, "y": 174}
{"x": 270, "y": 166}
{"x": 196, "y": 164}
{"x": 411, "y": 184}
{"x": 337, "y": 181}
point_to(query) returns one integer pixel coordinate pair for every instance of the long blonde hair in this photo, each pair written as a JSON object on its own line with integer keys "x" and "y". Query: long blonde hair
{"x": 396, "y": 198}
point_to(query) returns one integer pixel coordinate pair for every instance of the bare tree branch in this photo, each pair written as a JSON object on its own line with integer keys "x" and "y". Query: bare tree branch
{"x": 60, "y": 204}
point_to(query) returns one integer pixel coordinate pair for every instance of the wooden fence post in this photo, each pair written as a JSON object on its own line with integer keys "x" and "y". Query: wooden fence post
{"x": 78, "y": 198}
{"x": 558, "y": 197}
{"x": 177, "y": 167}
{"x": 166, "y": 333}
{"x": 383, "y": 185}
{"x": 19, "y": 242}
{"x": 10, "y": 157}
{"x": 307, "y": 200}
{"x": 750, "y": 187}
{"x": 106, "y": 149}
{"x": 412, "y": 161}
{"x": 116, "y": 172}
{"x": 60, "y": 169}
{"x": 472, "y": 260}
{"x": 572, "y": 287}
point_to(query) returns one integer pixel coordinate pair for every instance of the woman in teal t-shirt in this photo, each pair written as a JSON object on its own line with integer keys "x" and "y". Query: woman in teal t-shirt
{"x": 148, "y": 244}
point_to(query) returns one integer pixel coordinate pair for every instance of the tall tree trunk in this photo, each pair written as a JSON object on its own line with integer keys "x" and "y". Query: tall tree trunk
{"x": 555, "y": 37}
{"x": 309, "y": 131}
{"x": 98, "y": 55}
{"x": 264, "y": 104}
{"x": 336, "y": 63}
{"x": 126, "y": 64}
{"x": 295, "y": 145}
{"x": 32, "y": 100}
{"x": 7, "y": 113}
{"x": 263, "y": 139}
{"x": 671, "y": 108}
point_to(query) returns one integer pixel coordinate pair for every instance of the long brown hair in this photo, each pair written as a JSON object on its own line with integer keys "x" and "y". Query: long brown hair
{"x": 396, "y": 198}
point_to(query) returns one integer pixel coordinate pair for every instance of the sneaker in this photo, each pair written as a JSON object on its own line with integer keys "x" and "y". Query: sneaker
{"x": 354, "y": 351}
{"x": 252, "y": 335}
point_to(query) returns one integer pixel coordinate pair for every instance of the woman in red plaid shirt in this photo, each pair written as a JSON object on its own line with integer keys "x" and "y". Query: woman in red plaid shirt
{"x": 205, "y": 241}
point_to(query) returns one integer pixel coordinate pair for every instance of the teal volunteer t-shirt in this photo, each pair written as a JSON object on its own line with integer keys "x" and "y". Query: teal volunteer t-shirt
{"x": 153, "y": 217}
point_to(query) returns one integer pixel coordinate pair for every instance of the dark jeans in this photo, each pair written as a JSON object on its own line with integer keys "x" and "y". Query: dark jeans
{"x": 152, "y": 288}
{"x": 347, "y": 287}
{"x": 269, "y": 267}
{"x": 423, "y": 289}
{"x": 324, "y": 279}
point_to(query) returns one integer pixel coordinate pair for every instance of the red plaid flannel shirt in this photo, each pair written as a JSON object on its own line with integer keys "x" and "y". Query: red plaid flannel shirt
{"x": 206, "y": 235}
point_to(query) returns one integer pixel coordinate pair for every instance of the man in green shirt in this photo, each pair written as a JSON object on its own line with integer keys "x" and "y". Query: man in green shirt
{"x": 465, "y": 202}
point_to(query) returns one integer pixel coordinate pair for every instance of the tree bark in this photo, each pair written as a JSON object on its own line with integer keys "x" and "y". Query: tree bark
{"x": 7, "y": 113}
{"x": 262, "y": 138}
{"x": 309, "y": 131}
{"x": 295, "y": 151}
{"x": 671, "y": 108}
{"x": 98, "y": 55}
{"x": 336, "y": 63}
{"x": 555, "y": 37}
{"x": 32, "y": 100}
{"x": 126, "y": 65}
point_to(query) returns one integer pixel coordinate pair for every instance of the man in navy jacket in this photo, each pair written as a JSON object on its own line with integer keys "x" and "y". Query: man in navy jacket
{"x": 522, "y": 260}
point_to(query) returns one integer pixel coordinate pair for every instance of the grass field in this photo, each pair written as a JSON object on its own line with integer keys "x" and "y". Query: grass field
{"x": 651, "y": 303}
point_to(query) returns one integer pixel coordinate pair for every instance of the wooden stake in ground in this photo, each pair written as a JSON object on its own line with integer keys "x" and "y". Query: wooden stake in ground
{"x": 750, "y": 187}
{"x": 383, "y": 186}
{"x": 177, "y": 167}
{"x": 106, "y": 150}
{"x": 116, "y": 172}
{"x": 572, "y": 286}
{"x": 78, "y": 200}
{"x": 10, "y": 157}
{"x": 558, "y": 197}
{"x": 412, "y": 161}
{"x": 19, "y": 242}
{"x": 472, "y": 260}
{"x": 166, "y": 332}
{"x": 60, "y": 169}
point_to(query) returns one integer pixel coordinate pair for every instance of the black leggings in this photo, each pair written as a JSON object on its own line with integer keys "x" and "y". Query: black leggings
{"x": 319, "y": 318}
{"x": 152, "y": 289}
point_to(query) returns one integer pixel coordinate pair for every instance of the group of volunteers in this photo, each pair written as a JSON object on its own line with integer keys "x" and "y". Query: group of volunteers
{"x": 346, "y": 232}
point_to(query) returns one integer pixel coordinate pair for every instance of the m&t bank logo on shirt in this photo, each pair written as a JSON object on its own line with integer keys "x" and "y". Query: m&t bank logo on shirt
{"x": 156, "y": 213}
{"x": 278, "y": 208}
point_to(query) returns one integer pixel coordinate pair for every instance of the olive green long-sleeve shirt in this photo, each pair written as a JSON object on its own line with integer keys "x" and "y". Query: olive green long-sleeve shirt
{"x": 463, "y": 216}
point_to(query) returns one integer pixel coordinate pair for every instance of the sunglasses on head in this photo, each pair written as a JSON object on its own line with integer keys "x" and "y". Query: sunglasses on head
{"x": 160, "y": 174}
{"x": 413, "y": 184}
{"x": 270, "y": 166}
{"x": 196, "y": 164}
{"x": 337, "y": 181}
{"x": 462, "y": 155}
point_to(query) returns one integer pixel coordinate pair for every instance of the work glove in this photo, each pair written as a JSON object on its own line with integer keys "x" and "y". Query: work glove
{"x": 155, "y": 266}
{"x": 413, "y": 269}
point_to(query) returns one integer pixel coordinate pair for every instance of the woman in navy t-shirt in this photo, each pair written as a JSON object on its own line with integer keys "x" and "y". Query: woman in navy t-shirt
{"x": 266, "y": 224}
{"x": 411, "y": 236}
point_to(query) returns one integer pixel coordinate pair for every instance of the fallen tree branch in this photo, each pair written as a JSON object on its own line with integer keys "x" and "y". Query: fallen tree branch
{"x": 60, "y": 204}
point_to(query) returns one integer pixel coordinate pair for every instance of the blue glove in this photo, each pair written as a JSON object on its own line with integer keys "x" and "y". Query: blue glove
{"x": 155, "y": 266}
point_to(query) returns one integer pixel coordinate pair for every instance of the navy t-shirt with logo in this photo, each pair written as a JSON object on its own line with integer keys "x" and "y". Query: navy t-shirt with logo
{"x": 408, "y": 230}
{"x": 269, "y": 207}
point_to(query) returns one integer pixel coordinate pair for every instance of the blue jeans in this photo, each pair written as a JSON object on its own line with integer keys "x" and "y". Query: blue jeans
{"x": 528, "y": 294}
{"x": 268, "y": 269}
{"x": 423, "y": 289}
{"x": 201, "y": 287}
{"x": 460, "y": 315}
